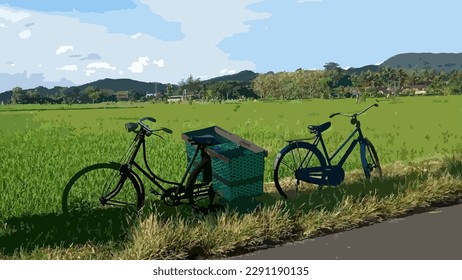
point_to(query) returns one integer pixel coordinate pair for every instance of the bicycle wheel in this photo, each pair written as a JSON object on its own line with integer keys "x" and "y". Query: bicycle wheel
{"x": 370, "y": 161}
{"x": 101, "y": 186}
{"x": 199, "y": 183}
{"x": 293, "y": 157}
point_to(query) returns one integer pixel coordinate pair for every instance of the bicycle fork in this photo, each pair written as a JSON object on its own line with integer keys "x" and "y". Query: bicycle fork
{"x": 124, "y": 169}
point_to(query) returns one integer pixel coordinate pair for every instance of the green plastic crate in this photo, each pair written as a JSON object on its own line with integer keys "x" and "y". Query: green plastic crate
{"x": 237, "y": 164}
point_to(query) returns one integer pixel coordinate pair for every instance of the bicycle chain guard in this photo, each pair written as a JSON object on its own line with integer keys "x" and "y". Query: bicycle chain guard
{"x": 331, "y": 175}
{"x": 335, "y": 175}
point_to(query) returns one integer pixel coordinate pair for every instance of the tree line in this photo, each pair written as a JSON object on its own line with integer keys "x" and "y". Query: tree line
{"x": 330, "y": 82}
{"x": 64, "y": 95}
{"x": 334, "y": 82}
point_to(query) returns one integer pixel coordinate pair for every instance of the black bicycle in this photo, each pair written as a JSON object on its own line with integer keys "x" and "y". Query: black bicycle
{"x": 116, "y": 184}
{"x": 301, "y": 162}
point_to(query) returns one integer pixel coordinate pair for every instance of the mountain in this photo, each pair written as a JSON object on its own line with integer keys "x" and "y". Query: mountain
{"x": 243, "y": 76}
{"x": 437, "y": 61}
{"x": 372, "y": 68}
{"x": 125, "y": 84}
{"x": 105, "y": 84}
{"x": 128, "y": 84}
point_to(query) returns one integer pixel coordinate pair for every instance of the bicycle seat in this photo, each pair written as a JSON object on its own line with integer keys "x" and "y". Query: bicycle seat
{"x": 319, "y": 128}
{"x": 206, "y": 140}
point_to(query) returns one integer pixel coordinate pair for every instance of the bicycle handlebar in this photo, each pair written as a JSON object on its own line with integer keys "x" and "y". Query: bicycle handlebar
{"x": 151, "y": 131}
{"x": 147, "y": 118}
{"x": 355, "y": 114}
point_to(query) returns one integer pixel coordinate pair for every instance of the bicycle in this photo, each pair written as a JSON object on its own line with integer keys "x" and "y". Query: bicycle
{"x": 305, "y": 162}
{"x": 106, "y": 184}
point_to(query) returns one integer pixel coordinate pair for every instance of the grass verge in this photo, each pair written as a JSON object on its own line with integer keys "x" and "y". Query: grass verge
{"x": 158, "y": 234}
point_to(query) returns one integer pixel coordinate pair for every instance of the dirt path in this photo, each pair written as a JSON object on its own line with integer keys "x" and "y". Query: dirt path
{"x": 433, "y": 235}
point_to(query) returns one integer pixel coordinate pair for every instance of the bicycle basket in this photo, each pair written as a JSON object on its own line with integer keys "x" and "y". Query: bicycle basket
{"x": 237, "y": 164}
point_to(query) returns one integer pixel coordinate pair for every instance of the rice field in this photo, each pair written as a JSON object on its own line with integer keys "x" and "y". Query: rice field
{"x": 44, "y": 145}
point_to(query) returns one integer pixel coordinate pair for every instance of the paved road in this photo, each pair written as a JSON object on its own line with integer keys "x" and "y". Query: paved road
{"x": 433, "y": 235}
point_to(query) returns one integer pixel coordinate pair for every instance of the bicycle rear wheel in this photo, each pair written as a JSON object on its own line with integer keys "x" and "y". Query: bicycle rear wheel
{"x": 370, "y": 161}
{"x": 102, "y": 186}
{"x": 295, "y": 156}
{"x": 199, "y": 184}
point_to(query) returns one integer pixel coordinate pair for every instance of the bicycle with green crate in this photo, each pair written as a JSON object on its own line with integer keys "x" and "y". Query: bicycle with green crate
{"x": 118, "y": 184}
{"x": 301, "y": 163}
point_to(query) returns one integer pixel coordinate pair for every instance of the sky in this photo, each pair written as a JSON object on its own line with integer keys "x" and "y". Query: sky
{"x": 72, "y": 42}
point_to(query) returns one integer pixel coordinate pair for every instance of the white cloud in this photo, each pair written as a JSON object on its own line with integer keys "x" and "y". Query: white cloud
{"x": 160, "y": 63}
{"x": 13, "y": 16}
{"x": 138, "y": 66}
{"x": 197, "y": 53}
{"x": 227, "y": 72}
{"x": 64, "y": 49}
{"x": 2, "y": 25}
{"x": 103, "y": 65}
{"x": 25, "y": 34}
{"x": 67, "y": 68}
{"x": 134, "y": 36}
{"x": 208, "y": 21}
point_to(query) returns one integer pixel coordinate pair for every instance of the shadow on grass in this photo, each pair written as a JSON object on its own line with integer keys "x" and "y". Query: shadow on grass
{"x": 27, "y": 233}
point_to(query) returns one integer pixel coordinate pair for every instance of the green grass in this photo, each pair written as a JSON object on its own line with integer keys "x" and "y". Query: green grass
{"x": 43, "y": 146}
{"x": 161, "y": 235}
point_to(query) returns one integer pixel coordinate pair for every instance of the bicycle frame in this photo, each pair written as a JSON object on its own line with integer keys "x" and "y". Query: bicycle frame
{"x": 353, "y": 144}
{"x": 132, "y": 152}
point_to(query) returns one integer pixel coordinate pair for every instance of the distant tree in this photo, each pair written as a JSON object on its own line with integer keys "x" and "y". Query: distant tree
{"x": 18, "y": 96}
{"x": 331, "y": 66}
{"x": 208, "y": 94}
{"x": 323, "y": 88}
{"x": 169, "y": 89}
{"x": 454, "y": 82}
{"x": 33, "y": 96}
{"x": 93, "y": 92}
{"x": 190, "y": 85}
{"x": 135, "y": 95}
{"x": 222, "y": 90}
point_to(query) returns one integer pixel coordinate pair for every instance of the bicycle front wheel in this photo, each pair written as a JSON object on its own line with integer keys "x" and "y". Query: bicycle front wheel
{"x": 102, "y": 186}
{"x": 370, "y": 161}
{"x": 296, "y": 156}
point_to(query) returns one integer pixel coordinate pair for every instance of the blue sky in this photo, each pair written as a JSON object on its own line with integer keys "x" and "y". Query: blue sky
{"x": 56, "y": 42}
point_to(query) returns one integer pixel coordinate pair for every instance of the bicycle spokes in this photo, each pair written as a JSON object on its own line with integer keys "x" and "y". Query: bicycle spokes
{"x": 371, "y": 162}
{"x": 299, "y": 160}
{"x": 100, "y": 186}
